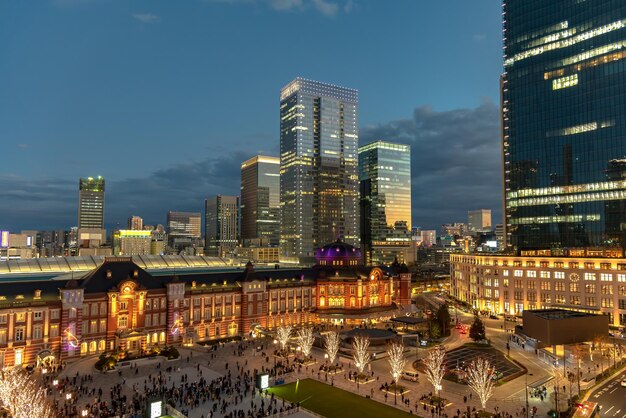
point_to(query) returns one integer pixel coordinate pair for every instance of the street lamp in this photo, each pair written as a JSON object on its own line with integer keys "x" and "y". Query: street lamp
{"x": 68, "y": 396}
{"x": 84, "y": 413}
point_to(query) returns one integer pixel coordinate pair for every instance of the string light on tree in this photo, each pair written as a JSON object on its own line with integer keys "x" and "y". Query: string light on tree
{"x": 283, "y": 334}
{"x": 395, "y": 353}
{"x": 479, "y": 378}
{"x": 22, "y": 396}
{"x": 361, "y": 356}
{"x": 331, "y": 343}
{"x": 435, "y": 368}
{"x": 305, "y": 340}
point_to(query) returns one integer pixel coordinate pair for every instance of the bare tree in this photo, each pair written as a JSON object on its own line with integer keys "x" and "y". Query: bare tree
{"x": 331, "y": 343}
{"x": 435, "y": 368}
{"x": 306, "y": 340}
{"x": 360, "y": 345}
{"x": 395, "y": 353}
{"x": 283, "y": 334}
{"x": 479, "y": 378}
{"x": 22, "y": 396}
{"x": 600, "y": 342}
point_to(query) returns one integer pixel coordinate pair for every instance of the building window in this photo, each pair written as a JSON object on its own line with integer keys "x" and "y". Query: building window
{"x": 531, "y": 273}
{"x": 19, "y": 357}
{"x": 54, "y": 331}
{"x": 19, "y": 334}
{"x": 37, "y": 335}
{"x": 590, "y": 276}
{"x": 20, "y": 316}
{"x": 607, "y": 302}
{"x": 3, "y": 319}
{"x": 3, "y": 337}
{"x": 559, "y": 275}
{"x": 122, "y": 321}
{"x": 544, "y": 274}
{"x": 518, "y": 273}
{"x": 37, "y": 315}
{"x": 103, "y": 325}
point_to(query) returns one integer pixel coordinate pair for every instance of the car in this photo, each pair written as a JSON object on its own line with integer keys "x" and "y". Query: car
{"x": 410, "y": 376}
{"x": 463, "y": 330}
{"x": 623, "y": 383}
{"x": 492, "y": 316}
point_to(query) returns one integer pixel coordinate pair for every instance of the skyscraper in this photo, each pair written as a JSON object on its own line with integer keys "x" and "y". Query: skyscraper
{"x": 479, "y": 220}
{"x": 385, "y": 186}
{"x": 260, "y": 200}
{"x": 183, "y": 232}
{"x": 564, "y": 123}
{"x": 319, "y": 194}
{"x": 221, "y": 224}
{"x": 91, "y": 203}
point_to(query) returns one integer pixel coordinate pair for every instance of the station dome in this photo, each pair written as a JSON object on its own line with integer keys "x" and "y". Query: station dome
{"x": 338, "y": 253}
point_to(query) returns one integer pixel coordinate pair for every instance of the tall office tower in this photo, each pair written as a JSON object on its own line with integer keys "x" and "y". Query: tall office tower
{"x": 479, "y": 220}
{"x": 564, "y": 123}
{"x": 385, "y": 186}
{"x": 184, "y": 224}
{"x": 319, "y": 192}
{"x": 221, "y": 224}
{"x": 91, "y": 203}
{"x": 260, "y": 201}
{"x": 135, "y": 223}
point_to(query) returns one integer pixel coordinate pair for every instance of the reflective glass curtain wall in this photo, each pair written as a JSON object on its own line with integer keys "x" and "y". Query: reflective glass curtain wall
{"x": 564, "y": 123}
{"x": 318, "y": 167}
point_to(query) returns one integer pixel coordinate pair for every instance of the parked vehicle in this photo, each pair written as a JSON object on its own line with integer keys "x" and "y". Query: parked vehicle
{"x": 410, "y": 376}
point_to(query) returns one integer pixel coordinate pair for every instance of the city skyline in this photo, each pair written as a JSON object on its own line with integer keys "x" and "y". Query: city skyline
{"x": 456, "y": 113}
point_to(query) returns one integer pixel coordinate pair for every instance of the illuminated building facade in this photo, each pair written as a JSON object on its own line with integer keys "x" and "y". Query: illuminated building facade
{"x": 479, "y": 220}
{"x": 564, "y": 123}
{"x": 119, "y": 305}
{"x": 221, "y": 224}
{"x": 385, "y": 192}
{"x": 131, "y": 242}
{"x": 594, "y": 282}
{"x": 260, "y": 200}
{"x": 91, "y": 203}
{"x": 319, "y": 190}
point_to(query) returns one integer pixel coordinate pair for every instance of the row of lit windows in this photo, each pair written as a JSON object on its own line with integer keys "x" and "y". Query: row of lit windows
{"x": 576, "y": 188}
{"x": 565, "y": 43}
{"x": 554, "y": 219}
{"x": 558, "y": 200}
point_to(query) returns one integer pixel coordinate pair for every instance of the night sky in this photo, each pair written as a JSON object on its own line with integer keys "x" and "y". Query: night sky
{"x": 165, "y": 99}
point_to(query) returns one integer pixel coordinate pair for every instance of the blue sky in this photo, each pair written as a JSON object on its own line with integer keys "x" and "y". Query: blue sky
{"x": 164, "y": 99}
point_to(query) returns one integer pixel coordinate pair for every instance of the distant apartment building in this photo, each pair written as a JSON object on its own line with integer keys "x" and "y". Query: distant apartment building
{"x": 221, "y": 224}
{"x": 184, "y": 232}
{"x": 135, "y": 223}
{"x": 479, "y": 220}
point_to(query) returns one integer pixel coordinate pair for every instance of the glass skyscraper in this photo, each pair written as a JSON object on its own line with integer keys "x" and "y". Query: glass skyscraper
{"x": 260, "y": 200}
{"x": 564, "y": 123}
{"x": 91, "y": 203}
{"x": 221, "y": 216}
{"x": 385, "y": 183}
{"x": 319, "y": 194}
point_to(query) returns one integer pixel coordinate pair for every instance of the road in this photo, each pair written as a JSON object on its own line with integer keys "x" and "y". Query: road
{"x": 611, "y": 397}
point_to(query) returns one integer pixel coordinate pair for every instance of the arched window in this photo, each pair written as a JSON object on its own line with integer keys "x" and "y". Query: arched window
{"x": 322, "y": 301}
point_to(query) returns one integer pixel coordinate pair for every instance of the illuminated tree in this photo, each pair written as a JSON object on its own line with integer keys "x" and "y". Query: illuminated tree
{"x": 435, "y": 368}
{"x": 361, "y": 356}
{"x": 600, "y": 342}
{"x": 306, "y": 340}
{"x": 331, "y": 343}
{"x": 283, "y": 334}
{"x": 395, "y": 353}
{"x": 479, "y": 378}
{"x": 22, "y": 396}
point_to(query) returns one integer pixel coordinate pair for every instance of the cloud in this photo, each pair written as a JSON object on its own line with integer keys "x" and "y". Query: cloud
{"x": 456, "y": 167}
{"x": 326, "y": 7}
{"x": 23, "y": 146}
{"x": 455, "y": 158}
{"x": 52, "y": 203}
{"x": 146, "y": 17}
{"x": 479, "y": 37}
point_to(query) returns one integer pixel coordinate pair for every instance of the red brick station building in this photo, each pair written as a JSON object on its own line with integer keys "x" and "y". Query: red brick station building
{"x": 119, "y": 305}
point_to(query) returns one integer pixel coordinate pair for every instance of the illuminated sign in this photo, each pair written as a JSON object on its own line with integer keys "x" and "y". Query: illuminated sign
{"x": 262, "y": 381}
{"x": 4, "y": 239}
{"x": 156, "y": 409}
{"x": 71, "y": 339}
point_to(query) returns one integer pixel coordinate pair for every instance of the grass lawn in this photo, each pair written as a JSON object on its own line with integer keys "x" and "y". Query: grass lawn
{"x": 332, "y": 402}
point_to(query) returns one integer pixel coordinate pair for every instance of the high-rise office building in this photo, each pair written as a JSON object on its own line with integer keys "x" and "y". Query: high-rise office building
{"x": 564, "y": 123}
{"x": 135, "y": 223}
{"x": 319, "y": 193}
{"x": 184, "y": 224}
{"x": 91, "y": 203}
{"x": 221, "y": 224}
{"x": 479, "y": 220}
{"x": 260, "y": 200}
{"x": 385, "y": 190}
